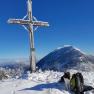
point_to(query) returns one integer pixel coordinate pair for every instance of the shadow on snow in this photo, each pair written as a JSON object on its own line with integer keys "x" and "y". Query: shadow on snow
{"x": 41, "y": 87}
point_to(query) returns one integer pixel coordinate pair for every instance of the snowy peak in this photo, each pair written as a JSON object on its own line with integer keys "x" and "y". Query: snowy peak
{"x": 69, "y": 48}
{"x": 64, "y": 58}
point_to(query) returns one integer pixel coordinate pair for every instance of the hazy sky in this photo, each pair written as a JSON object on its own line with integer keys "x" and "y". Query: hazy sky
{"x": 71, "y": 23}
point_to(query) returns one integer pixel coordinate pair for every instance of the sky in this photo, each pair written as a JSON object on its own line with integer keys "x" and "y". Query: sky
{"x": 71, "y": 23}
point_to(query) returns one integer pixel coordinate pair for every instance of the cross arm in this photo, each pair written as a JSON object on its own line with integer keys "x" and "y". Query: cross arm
{"x": 25, "y": 22}
{"x": 40, "y": 23}
{"x": 18, "y": 21}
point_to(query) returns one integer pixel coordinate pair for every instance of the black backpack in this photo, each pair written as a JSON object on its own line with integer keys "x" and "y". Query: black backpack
{"x": 78, "y": 82}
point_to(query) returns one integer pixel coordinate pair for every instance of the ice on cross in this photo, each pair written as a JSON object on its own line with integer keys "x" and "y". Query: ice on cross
{"x": 28, "y": 23}
{"x": 24, "y": 22}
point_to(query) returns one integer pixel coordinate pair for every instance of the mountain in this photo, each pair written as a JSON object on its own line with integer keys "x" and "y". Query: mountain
{"x": 66, "y": 57}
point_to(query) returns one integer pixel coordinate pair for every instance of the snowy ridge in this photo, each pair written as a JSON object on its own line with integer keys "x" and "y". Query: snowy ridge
{"x": 68, "y": 46}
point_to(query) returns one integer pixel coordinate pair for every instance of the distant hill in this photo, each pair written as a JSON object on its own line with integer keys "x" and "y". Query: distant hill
{"x": 67, "y": 57}
{"x": 14, "y": 63}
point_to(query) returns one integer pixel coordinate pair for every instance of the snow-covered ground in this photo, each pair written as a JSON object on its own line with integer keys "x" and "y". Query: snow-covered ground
{"x": 41, "y": 83}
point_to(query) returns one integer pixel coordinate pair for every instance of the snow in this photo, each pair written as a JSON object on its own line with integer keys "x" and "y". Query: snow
{"x": 65, "y": 46}
{"x": 41, "y": 83}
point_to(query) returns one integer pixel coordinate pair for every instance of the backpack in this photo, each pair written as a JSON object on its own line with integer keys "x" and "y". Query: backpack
{"x": 73, "y": 82}
{"x": 77, "y": 82}
{"x": 66, "y": 75}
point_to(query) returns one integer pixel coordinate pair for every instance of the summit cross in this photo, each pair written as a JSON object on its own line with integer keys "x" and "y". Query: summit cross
{"x": 29, "y": 22}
